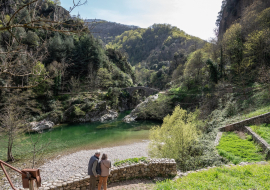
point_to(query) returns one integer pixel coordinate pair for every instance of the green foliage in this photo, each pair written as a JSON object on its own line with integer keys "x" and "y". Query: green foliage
{"x": 131, "y": 161}
{"x": 88, "y": 106}
{"x": 157, "y": 109}
{"x": 233, "y": 47}
{"x": 113, "y": 95}
{"x": 243, "y": 177}
{"x": 176, "y": 137}
{"x": 213, "y": 71}
{"x": 263, "y": 130}
{"x": 77, "y": 112}
{"x": 238, "y": 150}
{"x": 104, "y": 78}
{"x": 243, "y": 48}
{"x": 256, "y": 47}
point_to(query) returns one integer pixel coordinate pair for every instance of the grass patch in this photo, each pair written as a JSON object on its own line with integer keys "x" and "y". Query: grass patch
{"x": 131, "y": 161}
{"x": 238, "y": 149}
{"x": 257, "y": 112}
{"x": 263, "y": 130}
{"x": 236, "y": 177}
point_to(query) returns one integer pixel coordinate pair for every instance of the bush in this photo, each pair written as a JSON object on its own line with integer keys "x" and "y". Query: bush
{"x": 176, "y": 137}
{"x": 78, "y": 112}
{"x": 88, "y": 106}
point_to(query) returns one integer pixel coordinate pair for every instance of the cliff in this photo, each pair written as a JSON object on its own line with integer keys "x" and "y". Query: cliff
{"x": 234, "y": 10}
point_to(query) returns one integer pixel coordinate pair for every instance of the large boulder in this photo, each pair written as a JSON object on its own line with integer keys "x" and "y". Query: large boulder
{"x": 42, "y": 125}
{"x": 111, "y": 115}
{"x": 135, "y": 114}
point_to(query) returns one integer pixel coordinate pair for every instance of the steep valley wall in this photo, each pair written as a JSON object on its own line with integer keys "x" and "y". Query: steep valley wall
{"x": 234, "y": 10}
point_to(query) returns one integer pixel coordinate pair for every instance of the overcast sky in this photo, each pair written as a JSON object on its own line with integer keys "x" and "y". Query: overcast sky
{"x": 195, "y": 17}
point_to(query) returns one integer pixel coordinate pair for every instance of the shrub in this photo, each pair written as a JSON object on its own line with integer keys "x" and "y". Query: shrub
{"x": 78, "y": 112}
{"x": 176, "y": 137}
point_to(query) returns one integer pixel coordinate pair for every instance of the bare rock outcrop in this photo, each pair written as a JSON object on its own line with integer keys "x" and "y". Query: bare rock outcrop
{"x": 40, "y": 126}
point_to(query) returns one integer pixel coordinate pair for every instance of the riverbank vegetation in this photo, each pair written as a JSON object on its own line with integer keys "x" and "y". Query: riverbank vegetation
{"x": 236, "y": 177}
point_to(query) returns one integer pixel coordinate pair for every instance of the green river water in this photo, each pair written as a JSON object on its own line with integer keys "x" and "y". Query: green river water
{"x": 85, "y": 136}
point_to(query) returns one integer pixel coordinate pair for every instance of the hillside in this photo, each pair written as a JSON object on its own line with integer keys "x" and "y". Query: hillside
{"x": 107, "y": 31}
{"x": 62, "y": 63}
{"x": 155, "y": 44}
{"x": 156, "y": 51}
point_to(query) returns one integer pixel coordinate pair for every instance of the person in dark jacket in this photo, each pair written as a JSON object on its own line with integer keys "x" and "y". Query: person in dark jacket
{"x": 94, "y": 170}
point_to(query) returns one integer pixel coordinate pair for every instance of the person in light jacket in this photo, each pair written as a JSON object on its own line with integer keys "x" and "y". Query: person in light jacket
{"x": 105, "y": 166}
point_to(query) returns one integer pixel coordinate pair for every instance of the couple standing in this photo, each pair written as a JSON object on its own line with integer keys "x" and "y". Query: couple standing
{"x": 101, "y": 169}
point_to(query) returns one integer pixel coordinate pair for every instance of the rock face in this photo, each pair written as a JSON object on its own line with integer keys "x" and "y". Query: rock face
{"x": 42, "y": 125}
{"x": 234, "y": 10}
{"x": 100, "y": 112}
{"x": 135, "y": 113}
{"x": 111, "y": 115}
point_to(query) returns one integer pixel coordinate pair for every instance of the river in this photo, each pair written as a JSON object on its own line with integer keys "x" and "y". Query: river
{"x": 94, "y": 135}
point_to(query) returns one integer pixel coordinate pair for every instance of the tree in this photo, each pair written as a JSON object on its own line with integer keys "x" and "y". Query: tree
{"x": 233, "y": 46}
{"x": 13, "y": 117}
{"x": 194, "y": 66}
{"x": 74, "y": 85}
{"x": 104, "y": 79}
{"x": 176, "y": 136}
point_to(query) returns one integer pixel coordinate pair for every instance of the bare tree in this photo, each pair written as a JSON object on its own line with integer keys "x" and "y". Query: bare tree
{"x": 10, "y": 121}
{"x": 74, "y": 85}
{"x": 13, "y": 118}
{"x": 91, "y": 77}
{"x": 38, "y": 146}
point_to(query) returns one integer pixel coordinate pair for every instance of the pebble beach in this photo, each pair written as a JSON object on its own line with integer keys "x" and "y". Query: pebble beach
{"x": 72, "y": 164}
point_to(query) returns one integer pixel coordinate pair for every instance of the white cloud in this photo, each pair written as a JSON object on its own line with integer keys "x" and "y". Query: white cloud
{"x": 196, "y": 17}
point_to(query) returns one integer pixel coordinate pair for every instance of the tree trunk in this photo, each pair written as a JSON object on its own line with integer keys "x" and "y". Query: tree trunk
{"x": 9, "y": 155}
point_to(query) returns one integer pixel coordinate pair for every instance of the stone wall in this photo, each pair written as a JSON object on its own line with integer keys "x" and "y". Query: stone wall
{"x": 240, "y": 126}
{"x": 155, "y": 168}
{"x": 256, "y": 138}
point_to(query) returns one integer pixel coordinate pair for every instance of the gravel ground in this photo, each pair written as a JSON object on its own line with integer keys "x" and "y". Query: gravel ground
{"x": 76, "y": 163}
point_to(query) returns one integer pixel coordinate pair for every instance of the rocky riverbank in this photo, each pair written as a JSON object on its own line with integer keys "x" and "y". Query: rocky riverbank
{"x": 67, "y": 166}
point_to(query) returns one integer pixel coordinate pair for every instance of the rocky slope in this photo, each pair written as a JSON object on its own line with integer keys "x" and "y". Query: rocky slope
{"x": 234, "y": 10}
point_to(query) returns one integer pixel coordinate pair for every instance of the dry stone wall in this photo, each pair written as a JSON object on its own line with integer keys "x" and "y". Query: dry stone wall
{"x": 242, "y": 126}
{"x": 155, "y": 168}
{"x": 256, "y": 138}
{"x": 239, "y": 126}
